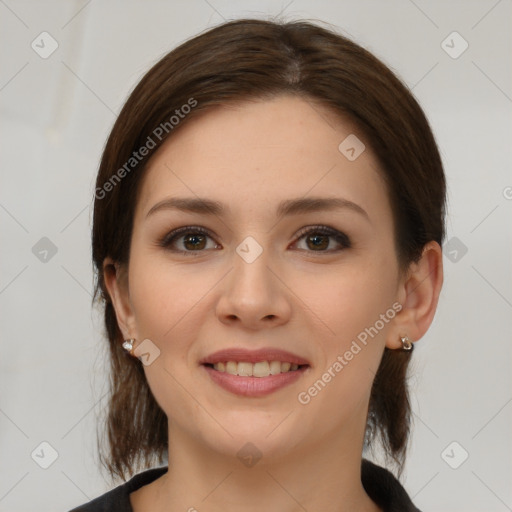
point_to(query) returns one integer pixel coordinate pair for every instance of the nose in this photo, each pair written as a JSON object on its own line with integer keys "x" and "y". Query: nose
{"x": 254, "y": 295}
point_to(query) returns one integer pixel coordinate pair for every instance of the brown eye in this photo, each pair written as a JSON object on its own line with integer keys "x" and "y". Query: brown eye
{"x": 190, "y": 239}
{"x": 193, "y": 239}
{"x": 318, "y": 239}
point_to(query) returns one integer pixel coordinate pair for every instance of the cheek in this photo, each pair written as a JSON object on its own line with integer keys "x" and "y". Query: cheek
{"x": 350, "y": 302}
{"x": 165, "y": 303}
{"x": 350, "y": 298}
{"x": 352, "y": 342}
{"x": 163, "y": 295}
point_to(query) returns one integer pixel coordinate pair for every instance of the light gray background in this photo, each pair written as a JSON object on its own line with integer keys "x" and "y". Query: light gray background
{"x": 56, "y": 115}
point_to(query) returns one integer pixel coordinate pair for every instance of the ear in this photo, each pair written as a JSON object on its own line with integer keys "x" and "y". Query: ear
{"x": 116, "y": 282}
{"x": 418, "y": 294}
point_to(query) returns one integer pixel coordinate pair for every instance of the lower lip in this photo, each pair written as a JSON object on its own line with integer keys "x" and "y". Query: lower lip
{"x": 254, "y": 386}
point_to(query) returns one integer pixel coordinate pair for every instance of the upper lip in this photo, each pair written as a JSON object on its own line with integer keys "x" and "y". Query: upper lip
{"x": 253, "y": 356}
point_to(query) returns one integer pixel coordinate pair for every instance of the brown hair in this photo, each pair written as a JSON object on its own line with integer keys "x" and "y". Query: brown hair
{"x": 252, "y": 59}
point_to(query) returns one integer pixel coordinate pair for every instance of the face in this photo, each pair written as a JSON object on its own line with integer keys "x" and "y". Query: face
{"x": 319, "y": 281}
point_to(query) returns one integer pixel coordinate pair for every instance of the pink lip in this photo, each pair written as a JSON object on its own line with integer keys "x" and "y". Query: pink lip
{"x": 254, "y": 386}
{"x": 253, "y": 356}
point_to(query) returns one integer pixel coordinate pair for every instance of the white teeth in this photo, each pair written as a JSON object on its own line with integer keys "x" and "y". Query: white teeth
{"x": 245, "y": 369}
{"x": 275, "y": 367}
{"x": 260, "y": 369}
{"x": 231, "y": 367}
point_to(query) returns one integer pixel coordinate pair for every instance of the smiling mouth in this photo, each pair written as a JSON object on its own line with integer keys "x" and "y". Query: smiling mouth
{"x": 259, "y": 369}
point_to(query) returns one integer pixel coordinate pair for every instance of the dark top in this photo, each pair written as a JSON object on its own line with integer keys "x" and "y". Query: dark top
{"x": 379, "y": 483}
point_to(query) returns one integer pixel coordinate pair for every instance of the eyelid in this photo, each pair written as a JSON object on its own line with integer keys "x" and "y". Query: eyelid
{"x": 338, "y": 235}
{"x": 174, "y": 234}
{"x": 334, "y": 233}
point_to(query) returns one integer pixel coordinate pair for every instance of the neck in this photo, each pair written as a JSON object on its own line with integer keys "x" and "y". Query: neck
{"x": 311, "y": 478}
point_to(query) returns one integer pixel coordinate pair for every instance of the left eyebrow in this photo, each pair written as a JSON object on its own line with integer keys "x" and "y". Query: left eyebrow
{"x": 315, "y": 204}
{"x": 285, "y": 208}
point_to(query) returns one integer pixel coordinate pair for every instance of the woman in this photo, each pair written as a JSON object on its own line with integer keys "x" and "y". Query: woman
{"x": 268, "y": 223}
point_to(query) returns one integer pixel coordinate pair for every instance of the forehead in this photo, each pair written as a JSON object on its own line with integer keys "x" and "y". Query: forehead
{"x": 263, "y": 151}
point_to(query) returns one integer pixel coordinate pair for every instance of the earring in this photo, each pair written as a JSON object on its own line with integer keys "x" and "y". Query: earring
{"x": 406, "y": 343}
{"x": 369, "y": 432}
{"x": 128, "y": 345}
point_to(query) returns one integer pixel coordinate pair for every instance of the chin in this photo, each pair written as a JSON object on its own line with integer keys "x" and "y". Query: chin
{"x": 258, "y": 435}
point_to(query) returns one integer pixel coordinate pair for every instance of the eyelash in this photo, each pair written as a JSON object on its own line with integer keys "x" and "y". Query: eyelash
{"x": 340, "y": 237}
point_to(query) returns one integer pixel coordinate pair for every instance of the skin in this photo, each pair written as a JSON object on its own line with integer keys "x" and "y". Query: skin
{"x": 250, "y": 157}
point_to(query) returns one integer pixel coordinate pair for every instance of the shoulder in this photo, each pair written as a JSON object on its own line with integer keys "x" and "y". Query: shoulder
{"x": 385, "y": 489}
{"x": 118, "y": 499}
